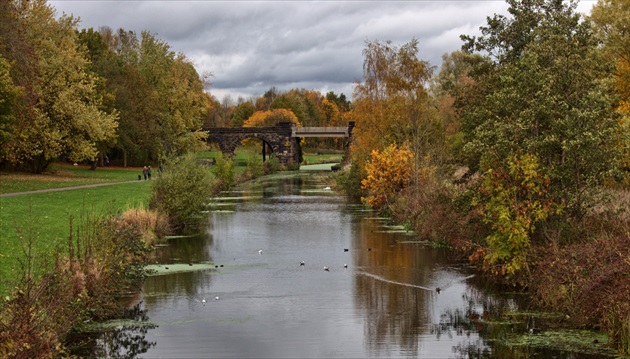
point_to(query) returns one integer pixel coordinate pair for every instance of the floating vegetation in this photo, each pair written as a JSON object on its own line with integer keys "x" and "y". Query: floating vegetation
{"x": 162, "y": 269}
{"x": 99, "y": 327}
{"x": 421, "y": 242}
{"x": 577, "y": 341}
{"x": 180, "y": 236}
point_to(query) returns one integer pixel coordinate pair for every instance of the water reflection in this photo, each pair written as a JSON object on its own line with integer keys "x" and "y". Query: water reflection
{"x": 125, "y": 341}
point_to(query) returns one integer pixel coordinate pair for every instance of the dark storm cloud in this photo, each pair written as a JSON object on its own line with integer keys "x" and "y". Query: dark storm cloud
{"x": 251, "y": 46}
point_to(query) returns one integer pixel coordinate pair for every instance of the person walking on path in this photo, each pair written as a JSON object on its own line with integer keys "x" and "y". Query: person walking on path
{"x": 145, "y": 171}
{"x": 149, "y": 172}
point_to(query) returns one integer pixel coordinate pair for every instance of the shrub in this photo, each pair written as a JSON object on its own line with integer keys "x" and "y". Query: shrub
{"x": 272, "y": 165}
{"x": 590, "y": 280}
{"x": 182, "y": 191}
{"x": 255, "y": 167}
{"x": 225, "y": 173}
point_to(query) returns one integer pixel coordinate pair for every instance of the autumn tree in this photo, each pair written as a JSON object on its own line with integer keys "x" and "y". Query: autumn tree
{"x": 387, "y": 175}
{"x": 8, "y": 96}
{"x": 61, "y": 111}
{"x": 392, "y": 105}
{"x": 611, "y": 19}
{"x": 270, "y": 118}
{"x": 158, "y": 93}
{"x": 542, "y": 91}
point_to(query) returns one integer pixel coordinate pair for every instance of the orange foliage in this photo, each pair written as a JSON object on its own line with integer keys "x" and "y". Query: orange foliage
{"x": 388, "y": 173}
{"x": 271, "y": 118}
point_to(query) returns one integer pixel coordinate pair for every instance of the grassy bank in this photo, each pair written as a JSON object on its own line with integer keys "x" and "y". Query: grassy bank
{"x": 49, "y": 212}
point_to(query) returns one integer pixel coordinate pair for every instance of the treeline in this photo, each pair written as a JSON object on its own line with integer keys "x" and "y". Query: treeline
{"x": 507, "y": 155}
{"x": 81, "y": 95}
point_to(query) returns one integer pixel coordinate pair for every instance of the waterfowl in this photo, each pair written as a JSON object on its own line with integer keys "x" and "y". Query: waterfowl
{"x": 327, "y": 269}
{"x": 260, "y": 251}
{"x": 216, "y": 298}
{"x": 438, "y": 290}
{"x": 345, "y": 266}
{"x": 327, "y": 188}
{"x": 203, "y": 300}
{"x": 302, "y": 263}
{"x": 345, "y": 249}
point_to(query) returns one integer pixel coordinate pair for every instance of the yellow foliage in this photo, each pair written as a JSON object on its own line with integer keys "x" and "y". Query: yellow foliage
{"x": 271, "y": 118}
{"x": 388, "y": 172}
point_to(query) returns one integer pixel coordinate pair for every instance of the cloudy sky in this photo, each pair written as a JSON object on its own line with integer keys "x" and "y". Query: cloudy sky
{"x": 250, "y": 46}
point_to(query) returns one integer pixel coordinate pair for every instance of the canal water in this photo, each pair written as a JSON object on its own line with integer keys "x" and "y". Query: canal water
{"x": 366, "y": 288}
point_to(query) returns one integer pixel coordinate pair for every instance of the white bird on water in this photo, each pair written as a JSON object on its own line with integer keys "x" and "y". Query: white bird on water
{"x": 216, "y": 298}
{"x": 203, "y": 300}
{"x": 326, "y": 269}
{"x": 327, "y": 188}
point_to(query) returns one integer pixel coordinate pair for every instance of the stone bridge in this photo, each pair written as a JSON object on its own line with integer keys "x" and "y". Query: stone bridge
{"x": 283, "y": 139}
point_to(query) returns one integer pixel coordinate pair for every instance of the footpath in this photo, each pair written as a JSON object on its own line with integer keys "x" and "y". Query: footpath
{"x": 64, "y": 188}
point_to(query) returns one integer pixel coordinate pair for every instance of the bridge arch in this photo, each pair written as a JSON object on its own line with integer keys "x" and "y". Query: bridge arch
{"x": 283, "y": 145}
{"x": 283, "y": 138}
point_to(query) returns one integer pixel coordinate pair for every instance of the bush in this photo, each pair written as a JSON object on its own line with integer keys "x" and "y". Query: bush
{"x": 255, "y": 167}
{"x": 590, "y": 280}
{"x": 182, "y": 191}
{"x": 58, "y": 292}
{"x": 272, "y": 165}
{"x": 225, "y": 173}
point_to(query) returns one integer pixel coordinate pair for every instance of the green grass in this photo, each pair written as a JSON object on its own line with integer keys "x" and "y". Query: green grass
{"x": 48, "y": 214}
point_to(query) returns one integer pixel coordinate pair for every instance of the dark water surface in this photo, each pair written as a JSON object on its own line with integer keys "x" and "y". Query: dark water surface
{"x": 383, "y": 305}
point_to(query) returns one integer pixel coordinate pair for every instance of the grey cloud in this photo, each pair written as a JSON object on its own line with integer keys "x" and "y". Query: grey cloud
{"x": 251, "y": 46}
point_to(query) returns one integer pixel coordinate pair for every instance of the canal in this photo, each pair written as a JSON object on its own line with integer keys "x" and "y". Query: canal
{"x": 293, "y": 270}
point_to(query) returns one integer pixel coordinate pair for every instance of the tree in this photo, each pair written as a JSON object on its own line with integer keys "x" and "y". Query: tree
{"x": 8, "y": 97}
{"x": 242, "y": 112}
{"x": 63, "y": 115}
{"x": 271, "y": 118}
{"x": 611, "y": 20}
{"x": 388, "y": 173}
{"x": 542, "y": 91}
{"x": 392, "y": 105}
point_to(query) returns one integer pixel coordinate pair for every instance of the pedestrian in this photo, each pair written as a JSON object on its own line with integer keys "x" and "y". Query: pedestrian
{"x": 149, "y": 172}
{"x": 144, "y": 172}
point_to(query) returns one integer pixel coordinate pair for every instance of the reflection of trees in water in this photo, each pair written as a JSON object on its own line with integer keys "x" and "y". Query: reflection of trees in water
{"x": 481, "y": 323}
{"x": 393, "y": 312}
{"x": 125, "y": 342}
{"x": 193, "y": 249}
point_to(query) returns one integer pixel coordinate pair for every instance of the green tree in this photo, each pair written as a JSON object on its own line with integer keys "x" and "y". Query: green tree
{"x": 63, "y": 115}
{"x": 242, "y": 112}
{"x": 542, "y": 91}
{"x": 8, "y": 97}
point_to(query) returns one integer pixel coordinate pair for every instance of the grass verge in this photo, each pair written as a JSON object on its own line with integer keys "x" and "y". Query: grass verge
{"x": 50, "y": 212}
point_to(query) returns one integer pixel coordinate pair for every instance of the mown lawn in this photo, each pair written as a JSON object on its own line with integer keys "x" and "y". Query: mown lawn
{"x": 48, "y": 214}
